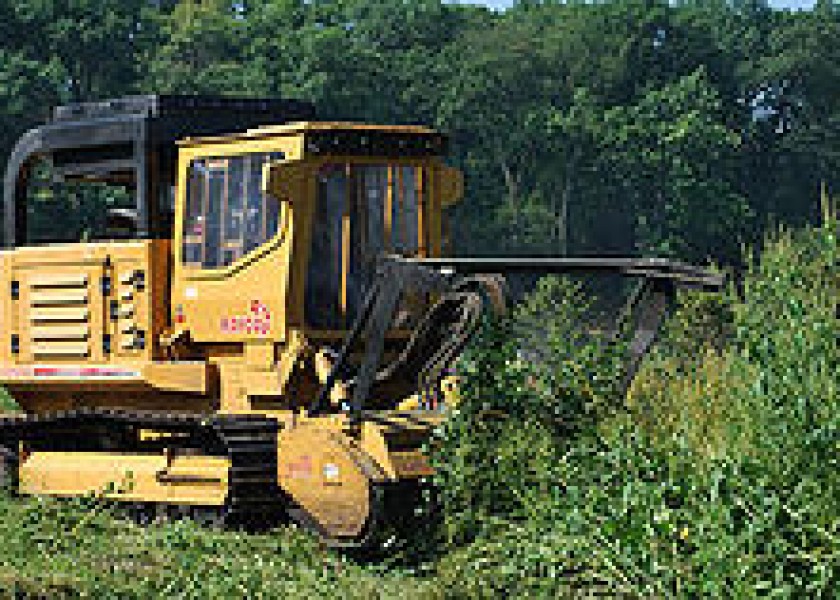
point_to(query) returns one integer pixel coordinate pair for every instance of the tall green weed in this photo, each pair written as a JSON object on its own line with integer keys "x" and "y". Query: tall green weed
{"x": 530, "y": 382}
{"x": 720, "y": 478}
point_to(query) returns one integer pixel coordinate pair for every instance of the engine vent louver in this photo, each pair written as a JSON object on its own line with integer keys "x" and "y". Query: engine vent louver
{"x": 59, "y": 316}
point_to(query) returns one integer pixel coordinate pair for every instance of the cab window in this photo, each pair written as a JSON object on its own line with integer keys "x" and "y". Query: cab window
{"x": 227, "y": 215}
{"x": 361, "y": 211}
{"x": 77, "y": 203}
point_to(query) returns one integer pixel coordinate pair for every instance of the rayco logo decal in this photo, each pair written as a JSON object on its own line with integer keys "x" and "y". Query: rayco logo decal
{"x": 298, "y": 469}
{"x": 257, "y": 321}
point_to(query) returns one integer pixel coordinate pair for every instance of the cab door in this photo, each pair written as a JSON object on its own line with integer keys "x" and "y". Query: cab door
{"x": 231, "y": 248}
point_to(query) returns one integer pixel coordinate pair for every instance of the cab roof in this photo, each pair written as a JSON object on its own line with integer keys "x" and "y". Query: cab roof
{"x": 303, "y": 127}
{"x": 342, "y": 137}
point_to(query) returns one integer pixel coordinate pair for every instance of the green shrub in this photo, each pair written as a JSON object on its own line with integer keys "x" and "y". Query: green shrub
{"x": 532, "y": 379}
{"x": 6, "y": 401}
{"x": 720, "y": 479}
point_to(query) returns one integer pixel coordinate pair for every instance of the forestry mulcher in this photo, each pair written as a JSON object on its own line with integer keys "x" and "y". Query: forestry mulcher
{"x": 247, "y": 312}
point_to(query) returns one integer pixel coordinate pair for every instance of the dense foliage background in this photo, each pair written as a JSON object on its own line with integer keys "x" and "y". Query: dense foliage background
{"x": 628, "y": 126}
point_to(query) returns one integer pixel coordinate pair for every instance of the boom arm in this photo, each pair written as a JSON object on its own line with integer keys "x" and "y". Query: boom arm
{"x": 459, "y": 307}
{"x": 649, "y": 268}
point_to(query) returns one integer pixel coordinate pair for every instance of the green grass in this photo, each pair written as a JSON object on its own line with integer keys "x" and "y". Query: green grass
{"x": 718, "y": 478}
{"x": 81, "y": 548}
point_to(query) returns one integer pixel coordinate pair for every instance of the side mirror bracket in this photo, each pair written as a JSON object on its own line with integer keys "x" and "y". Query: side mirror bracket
{"x": 283, "y": 180}
{"x": 451, "y": 186}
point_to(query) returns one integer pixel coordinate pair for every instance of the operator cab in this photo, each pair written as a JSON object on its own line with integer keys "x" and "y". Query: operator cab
{"x": 304, "y": 208}
{"x": 362, "y": 210}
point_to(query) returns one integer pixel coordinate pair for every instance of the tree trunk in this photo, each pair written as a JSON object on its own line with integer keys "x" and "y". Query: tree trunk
{"x": 512, "y": 186}
{"x": 562, "y": 214}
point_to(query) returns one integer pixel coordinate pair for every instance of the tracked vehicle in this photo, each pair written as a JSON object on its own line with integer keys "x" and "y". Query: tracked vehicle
{"x": 261, "y": 320}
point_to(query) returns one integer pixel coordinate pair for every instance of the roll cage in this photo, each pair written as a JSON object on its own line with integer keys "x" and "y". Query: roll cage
{"x": 131, "y": 140}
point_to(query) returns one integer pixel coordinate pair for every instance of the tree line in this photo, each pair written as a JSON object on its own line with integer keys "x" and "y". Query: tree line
{"x": 627, "y": 126}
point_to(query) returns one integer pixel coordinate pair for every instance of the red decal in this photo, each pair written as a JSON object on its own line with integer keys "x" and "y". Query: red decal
{"x": 257, "y": 321}
{"x": 299, "y": 469}
{"x": 68, "y": 372}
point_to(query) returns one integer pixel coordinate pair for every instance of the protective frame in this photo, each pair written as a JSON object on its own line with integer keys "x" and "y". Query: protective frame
{"x": 150, "y": 125}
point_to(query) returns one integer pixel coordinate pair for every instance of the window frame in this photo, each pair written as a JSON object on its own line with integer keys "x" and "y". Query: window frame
{"x": 199, "y": 271}
{"x": 424, "y": 189}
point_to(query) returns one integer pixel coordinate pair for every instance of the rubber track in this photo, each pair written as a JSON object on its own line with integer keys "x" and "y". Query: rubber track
{"x": 248, "y": 441}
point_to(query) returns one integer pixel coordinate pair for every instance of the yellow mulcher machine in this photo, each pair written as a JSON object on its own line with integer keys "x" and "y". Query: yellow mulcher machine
{"x": 265, "y": 327}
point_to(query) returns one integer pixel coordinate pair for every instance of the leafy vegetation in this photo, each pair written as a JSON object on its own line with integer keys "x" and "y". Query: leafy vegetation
{"x": 628, "y": 126}
{"x": 718, "y": 479}
{"x": 6, "y": 402}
